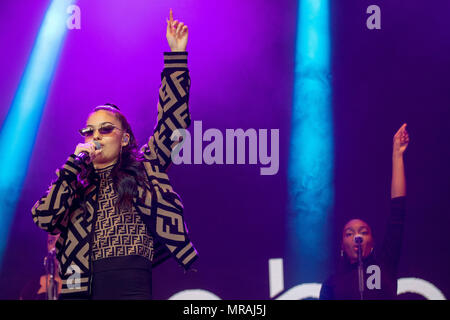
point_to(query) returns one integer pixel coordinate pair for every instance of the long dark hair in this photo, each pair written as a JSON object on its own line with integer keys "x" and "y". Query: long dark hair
{"x": 128, "y": 172}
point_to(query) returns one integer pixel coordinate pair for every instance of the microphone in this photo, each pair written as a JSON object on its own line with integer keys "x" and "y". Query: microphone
{"x": 358, "y": 239}
{"x": 83, "y": 156}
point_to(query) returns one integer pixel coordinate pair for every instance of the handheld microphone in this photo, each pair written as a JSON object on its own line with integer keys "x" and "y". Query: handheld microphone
{"x": 358, "y": 239}
{"x": 83, "y": 156}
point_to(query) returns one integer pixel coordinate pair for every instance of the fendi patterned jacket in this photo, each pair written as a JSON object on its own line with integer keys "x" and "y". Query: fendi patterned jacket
{"x": 69, "y": 212}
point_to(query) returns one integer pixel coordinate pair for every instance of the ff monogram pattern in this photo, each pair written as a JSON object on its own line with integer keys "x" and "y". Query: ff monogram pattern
{"x": 118, "y": 233}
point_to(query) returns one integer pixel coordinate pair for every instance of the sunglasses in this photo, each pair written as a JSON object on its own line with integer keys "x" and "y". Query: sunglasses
{"x": 104, "y": 129}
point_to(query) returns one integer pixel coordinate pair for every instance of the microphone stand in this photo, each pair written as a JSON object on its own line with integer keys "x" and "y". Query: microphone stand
{"x": 50, "y": 267}
{"x": 360, "y": 269}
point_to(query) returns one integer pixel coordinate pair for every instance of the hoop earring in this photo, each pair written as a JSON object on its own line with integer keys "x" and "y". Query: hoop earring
{"x": 342, "y": 253}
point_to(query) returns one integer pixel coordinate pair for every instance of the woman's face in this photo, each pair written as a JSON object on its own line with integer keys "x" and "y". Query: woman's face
{"x": 353, "y": 228}
{"x": 111, "y": 143}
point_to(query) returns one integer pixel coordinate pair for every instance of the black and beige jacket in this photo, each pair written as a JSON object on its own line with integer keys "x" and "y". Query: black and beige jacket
{"x": 69, "y": 207}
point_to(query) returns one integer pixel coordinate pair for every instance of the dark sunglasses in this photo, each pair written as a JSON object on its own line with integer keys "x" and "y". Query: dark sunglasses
{"x": 104, "y": 129}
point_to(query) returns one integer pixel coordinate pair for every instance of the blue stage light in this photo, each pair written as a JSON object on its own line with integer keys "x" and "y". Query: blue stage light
{"x": 20, "y": 127}
{"x": 310, "y": 172}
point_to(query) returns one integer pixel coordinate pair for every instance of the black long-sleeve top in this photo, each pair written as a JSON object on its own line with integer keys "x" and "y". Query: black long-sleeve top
{"x": 380, "y": 265}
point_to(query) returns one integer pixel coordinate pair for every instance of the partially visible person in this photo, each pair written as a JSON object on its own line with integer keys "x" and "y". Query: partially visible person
{"x": 48, "y": 286}
{"x": 379, "y": 265}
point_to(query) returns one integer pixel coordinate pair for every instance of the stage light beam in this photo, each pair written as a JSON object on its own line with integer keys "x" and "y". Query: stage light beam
{"x": 20, "y": 127}
{"x": 310, "y": 172}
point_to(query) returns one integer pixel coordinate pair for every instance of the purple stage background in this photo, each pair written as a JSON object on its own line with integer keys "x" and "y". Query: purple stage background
{"x": 241, "y": 59}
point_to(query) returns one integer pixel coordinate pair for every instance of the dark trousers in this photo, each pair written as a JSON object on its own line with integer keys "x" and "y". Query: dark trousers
{"x": 123, "y": 284}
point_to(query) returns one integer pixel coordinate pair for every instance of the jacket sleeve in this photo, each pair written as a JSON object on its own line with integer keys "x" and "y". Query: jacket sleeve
{"x": 173, "y": 110}
{"x": 171, "y": 230}
{"x": 392, "y": 242}
{"x": 162, "y": 211}
{"x": 50, "y": 213}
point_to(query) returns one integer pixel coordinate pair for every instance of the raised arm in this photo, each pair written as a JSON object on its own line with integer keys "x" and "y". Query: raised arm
{"x": 400, "y": 143}
{"x": 173, "y": 110}
{"x": 392, "y": 242}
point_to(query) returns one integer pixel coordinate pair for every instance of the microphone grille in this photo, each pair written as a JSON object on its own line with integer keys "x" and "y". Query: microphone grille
{"x": 358, "y": 239}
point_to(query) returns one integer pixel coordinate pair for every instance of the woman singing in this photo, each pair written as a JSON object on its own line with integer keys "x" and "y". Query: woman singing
{"x": 378, "y": 270}
{"x": 116, "y": 212}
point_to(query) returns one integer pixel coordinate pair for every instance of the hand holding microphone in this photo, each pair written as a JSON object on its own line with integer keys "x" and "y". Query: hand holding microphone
{"x": 87, "y": 152}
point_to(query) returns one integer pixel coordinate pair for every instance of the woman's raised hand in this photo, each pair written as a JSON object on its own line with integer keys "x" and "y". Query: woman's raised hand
{"x": 401, "y": 140}
{"x": 177, "y": 34}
